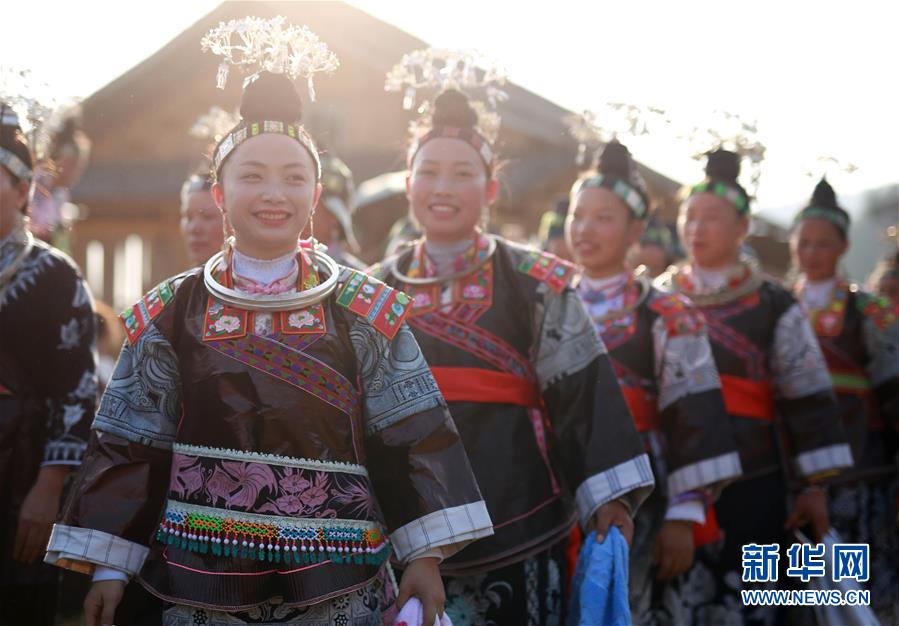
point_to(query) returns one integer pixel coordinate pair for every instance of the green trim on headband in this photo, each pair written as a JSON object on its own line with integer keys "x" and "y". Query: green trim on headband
{"x": 252, "y": 129}
{"x": 620, "y": 188}
{"x": 816, "y": 212}
{"x": 723, "y": 191}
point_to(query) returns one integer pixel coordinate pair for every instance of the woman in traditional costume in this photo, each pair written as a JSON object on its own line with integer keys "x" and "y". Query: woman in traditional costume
{"x": 859, "y": 335}
{"x": 660, "y": 350}
{"x": 528, "y": 381}
{"x": 776, "y": 388}
{"x": 48, "y": 386}
{"x": 272, "y": 432}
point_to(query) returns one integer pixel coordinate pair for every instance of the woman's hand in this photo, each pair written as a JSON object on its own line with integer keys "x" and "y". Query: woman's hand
{"x": 101, "y": 601}
{"x": 674, "y": 549}
{"x": 614, "y": 513}
{"x": 38, "y": 513}
{"x": 810, "y": 507}
{"x": 421, "y": 579}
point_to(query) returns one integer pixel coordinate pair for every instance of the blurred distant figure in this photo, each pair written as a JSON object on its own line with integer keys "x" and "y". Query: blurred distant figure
{"x": 201, "y": 221}
{"x": 654, "y": 251}
{"x": 333, "y": 221}
{"x": 51, "y": 211}
{"x": 859, "y": 336}
{"x": 884, "y": 280}
{"x": 551, "y": 232}
{"x": 48, "y": 387}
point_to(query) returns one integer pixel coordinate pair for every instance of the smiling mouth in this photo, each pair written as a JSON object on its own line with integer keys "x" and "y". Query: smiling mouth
{"x": 272, "y": 217}
{"x": 443, "y": 210}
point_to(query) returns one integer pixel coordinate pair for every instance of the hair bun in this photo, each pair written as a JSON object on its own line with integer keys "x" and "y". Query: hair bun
{"x": 723, "y": 165}
{"x": 452, "y": 108}
{"x": 271, "y": 97}
{"x": 615, "y": 160}
{"x": 824, "y": 195}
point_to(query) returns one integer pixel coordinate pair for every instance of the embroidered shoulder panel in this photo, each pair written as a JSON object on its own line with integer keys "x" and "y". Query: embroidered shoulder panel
{"x": 679, "y": 316}
{"x": 384, "y": 307}
{"x": 878, "y": 309}
{"x": 548, "y": 268}
{"x": 136, "y": 318}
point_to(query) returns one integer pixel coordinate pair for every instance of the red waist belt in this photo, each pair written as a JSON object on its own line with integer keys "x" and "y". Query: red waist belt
{"x": 473, "y": 384}
{"x": 748, "y": 398}
{"x": 644, "y": 408}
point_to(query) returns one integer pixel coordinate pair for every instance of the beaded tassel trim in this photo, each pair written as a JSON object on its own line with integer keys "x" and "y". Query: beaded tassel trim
{"x": 270, "y": 538}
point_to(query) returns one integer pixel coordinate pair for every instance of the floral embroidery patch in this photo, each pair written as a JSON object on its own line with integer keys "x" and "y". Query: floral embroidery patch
{"x": 223, "y": 321}
{"x": 303, "y": 321}
{"x": 679, "y": 316}
{"x": 136, "y": 318}
{"x": 549, "y": 269}
{"x": 384, "y": 307}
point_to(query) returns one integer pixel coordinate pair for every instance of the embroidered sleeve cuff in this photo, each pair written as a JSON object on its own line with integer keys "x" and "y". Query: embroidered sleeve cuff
{"x": 107, "y": 573}
{"x": 83, "y": 549}
{"x": 448, "y": 529}
{"x": 64, "y": 452}
{"x": 705, "y": 473}
{"x": 823, "y": 459}
{"x": 689, "y": 511}
{"x": 630, "y": 482}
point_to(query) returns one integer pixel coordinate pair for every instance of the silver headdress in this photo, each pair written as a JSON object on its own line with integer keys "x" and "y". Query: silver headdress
{"x": 214, "y": 124}
{"x": 827, "y": 165}
{"x": 614, "y": 120}
{"x": 434, "y": 70}
{"x": 38, "y": 114}
{"x": 728, "y": 131}
{"x": 256, "y": 45}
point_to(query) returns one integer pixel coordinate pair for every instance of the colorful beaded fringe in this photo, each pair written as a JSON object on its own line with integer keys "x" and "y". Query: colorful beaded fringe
{"x": 229, "y": 537}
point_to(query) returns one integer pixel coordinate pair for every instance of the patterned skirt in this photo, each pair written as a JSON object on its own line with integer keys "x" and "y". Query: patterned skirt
{"x": 865, "y": 512}
{"x": 528, "y": 593}
{"x": 749, "y": 511}
{"x": 372, "y": 605}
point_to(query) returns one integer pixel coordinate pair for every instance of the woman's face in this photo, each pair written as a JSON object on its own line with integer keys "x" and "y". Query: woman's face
{"x": 600, "y": 229}
{"x": 652, "y": 256}
{"x": 267, "y": 193}
{"x": 448, "y": 189}
{"x": 13, "y": 196}
{"x": 712, "y": 230}
{"x": 817, "y": 246}
{"x": 201, "y": 226}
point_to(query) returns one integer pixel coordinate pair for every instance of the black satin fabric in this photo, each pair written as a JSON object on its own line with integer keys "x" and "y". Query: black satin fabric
{"x": 227, "y": 403}
{"x": 586, "y": 424}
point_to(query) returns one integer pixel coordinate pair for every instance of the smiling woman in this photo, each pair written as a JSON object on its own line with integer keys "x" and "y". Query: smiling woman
{"x": 268, "y": 184}
{"x": 253, "y": 448}
{"x": 528, "y": 381}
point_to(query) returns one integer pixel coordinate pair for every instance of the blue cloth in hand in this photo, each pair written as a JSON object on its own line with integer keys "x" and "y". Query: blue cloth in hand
{"x": 599, "y": 587}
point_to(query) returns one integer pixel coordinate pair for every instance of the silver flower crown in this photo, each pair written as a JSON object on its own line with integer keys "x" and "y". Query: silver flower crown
{"x": 254, "y": 45}
{"x": 434, "y": 70}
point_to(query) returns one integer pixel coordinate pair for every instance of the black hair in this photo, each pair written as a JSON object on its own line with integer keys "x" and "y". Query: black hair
{"x": 453, "y": 108}
{"x": 13, "y": 140}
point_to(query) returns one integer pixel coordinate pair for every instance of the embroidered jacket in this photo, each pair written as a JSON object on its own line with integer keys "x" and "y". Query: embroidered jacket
{"x": 532, "y": 392}
{"x": 659, "y": 347}
{"x": 859, "y": 336}
{"x": 48, "y": 386}
{"x": 773, "y": 374}
{"x": 240, "y": 457}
